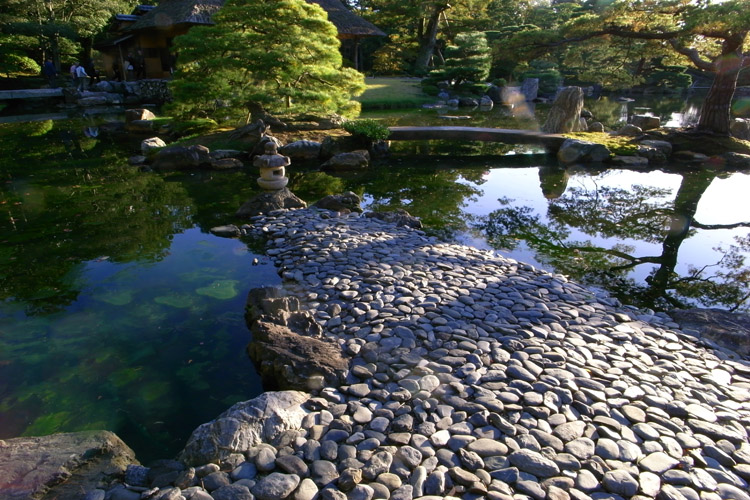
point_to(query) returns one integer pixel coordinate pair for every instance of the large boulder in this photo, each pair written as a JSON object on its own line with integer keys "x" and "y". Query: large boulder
{"x": 269, "y": 201}
{"x": 62, "y": 465}
{"x": 301, "y": 150}
{"x": 630, "y": 130}
{"x": 347, "y": 202}
{"x": 288, "y": 346}
{"x": 399, "y": 217}
{"x": 495, "y": 93}
{"x": 138, "y": 114}
{"x": 244, "y": 425}
{"x": 735, "y": 161}
{"x": 152, "y": 144}
{"x": 740, "y": 128}
{"x": 565, "y": 113}
{"x": 575, "y": 151}
{"x": 530, "y": 88}
{"x": 140, "y": 126}
{"x": 287, "y": 360}
{"x": 182, "y": 158}
{"x": 656, "y": 151}
{"x": 646, "y": 122}
{"x": 348, "y": 161}
{"x": 332, "y": 146}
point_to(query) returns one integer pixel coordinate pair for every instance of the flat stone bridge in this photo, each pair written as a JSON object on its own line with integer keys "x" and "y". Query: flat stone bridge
{"x": 551, "y": 142}
{"x": 29, "y": 93}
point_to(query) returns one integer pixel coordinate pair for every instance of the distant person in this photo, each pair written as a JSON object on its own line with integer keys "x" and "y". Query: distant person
{"x": 139, "y": 65}
{"x": 92, "y": 72}
{"x": 116, "y": 73}
{"x": 50, "y": 72}
{"x": 74, "y": 74}
{"x": 83, "y": 78}
{"x": 129, "y": 68}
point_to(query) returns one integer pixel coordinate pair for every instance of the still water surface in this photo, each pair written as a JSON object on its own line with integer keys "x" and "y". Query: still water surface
{"x": 121, "y": 311}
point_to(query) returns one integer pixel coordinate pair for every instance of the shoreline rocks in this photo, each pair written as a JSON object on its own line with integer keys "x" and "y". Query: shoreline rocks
{"x": 61, "y": 465}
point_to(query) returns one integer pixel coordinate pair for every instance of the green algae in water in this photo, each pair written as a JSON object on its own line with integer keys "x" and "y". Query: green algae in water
{"x": 48, "y": 424}
{"x": 116, "y": 297}
{"x": 153, "y": 390}
{"x": 126, "y": 376}
{"x": 220, "y": 289}
{"x": 177, "y": 300}
{"x": 200, "y": 275}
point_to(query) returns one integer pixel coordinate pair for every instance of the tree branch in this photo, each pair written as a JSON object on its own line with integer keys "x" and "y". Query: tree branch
{"x": 719, "y": 226}
{"x": 693, "y": 55}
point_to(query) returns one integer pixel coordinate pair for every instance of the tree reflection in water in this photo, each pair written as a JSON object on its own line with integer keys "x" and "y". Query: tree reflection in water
{"x": 643, "y": 213}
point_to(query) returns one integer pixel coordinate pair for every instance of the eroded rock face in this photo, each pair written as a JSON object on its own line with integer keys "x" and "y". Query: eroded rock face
{"x": 60, "y": 465}
{"x": 244, "y": 425}
{"x": 288, "y": 360}
{"x": 287, "y": 347}
{"x": 564, "y": 115}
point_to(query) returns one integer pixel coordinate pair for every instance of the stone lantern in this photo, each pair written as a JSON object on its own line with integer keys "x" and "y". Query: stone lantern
{"x": 272, "y": 172}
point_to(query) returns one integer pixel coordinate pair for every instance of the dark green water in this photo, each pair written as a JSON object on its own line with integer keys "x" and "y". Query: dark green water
{"x": 119, "y": 310}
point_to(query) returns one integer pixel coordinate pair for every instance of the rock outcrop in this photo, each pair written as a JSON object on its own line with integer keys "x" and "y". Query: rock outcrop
{"x": 287, "y": 347}
{"x": 244, "y": 425}
{"x": 61, "y": 465}
{"x": 565, "y": 113}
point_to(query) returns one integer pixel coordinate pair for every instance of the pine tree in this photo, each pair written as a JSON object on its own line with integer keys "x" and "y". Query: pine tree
{"x": 469, "y": 59}
{"x": 282, "y": 55}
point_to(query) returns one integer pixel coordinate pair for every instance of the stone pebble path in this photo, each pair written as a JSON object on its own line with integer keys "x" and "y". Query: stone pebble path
{"x": 475, "y": 376}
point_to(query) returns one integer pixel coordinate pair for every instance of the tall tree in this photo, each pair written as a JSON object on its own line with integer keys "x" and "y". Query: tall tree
{"x": 711, "y": 36}
{"x": 281, "y": 55}
{"x": 50, "y": 21}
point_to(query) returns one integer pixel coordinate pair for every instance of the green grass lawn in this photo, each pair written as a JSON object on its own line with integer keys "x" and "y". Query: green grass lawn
{"x": 392, "y": 93}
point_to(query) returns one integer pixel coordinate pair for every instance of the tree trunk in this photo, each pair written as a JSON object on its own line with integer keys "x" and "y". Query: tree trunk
{"x": 715, "y": 111}
{"x": 428, "y": 39}
{"x": 692, "y": 188}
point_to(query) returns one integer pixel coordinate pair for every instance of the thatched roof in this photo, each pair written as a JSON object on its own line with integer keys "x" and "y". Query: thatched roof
{"x": 171, "y": 12}
{"x": 349, "y": 24}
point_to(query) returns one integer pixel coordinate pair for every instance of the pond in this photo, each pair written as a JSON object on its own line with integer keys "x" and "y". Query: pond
{"x": 121, "y": 311}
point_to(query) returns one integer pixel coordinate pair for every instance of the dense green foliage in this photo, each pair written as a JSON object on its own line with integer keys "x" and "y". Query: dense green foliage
{"x": 281, "y": 55}
{"x": 60, "y": 29}
{"x": 370, "y": 129}
{"x": 468, "y": 59}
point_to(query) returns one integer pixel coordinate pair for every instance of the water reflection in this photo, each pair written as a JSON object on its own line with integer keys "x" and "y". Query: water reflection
{"x": 616, "y": 222}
